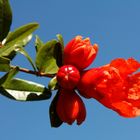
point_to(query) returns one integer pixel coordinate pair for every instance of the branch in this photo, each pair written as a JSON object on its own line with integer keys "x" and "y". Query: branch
{"x": 37, "y": 73}
{"x": 1, "y": 45}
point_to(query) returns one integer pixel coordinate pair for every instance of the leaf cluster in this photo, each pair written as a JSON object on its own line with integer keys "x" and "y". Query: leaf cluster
{"x": 48, "y": 59}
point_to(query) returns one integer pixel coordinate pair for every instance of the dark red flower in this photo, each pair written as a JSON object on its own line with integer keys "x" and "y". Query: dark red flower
{"x": 68, "y": 77}
{"x": 80, "y": 53}
{"x": 70, "y": 107}
{"x": 114, "y": 85}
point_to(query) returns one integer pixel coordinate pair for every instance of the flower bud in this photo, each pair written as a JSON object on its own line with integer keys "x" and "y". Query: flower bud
{"x": 68, "y": 77}
{"x": 70, "y": 107}
{"x": 80, "y": 53}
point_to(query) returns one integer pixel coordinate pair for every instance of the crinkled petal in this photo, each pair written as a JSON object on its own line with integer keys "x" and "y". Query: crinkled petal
{"x": 126, "y": 109}
{"x": 133, "y": 89}
{"x": 125, "y": 67}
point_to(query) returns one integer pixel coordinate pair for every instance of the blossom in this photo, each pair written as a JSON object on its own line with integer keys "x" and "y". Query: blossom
{"x": 68, "y": 77}
{"x": 80, "y": 53}
{"x": 70, "y": 107}
{"x": 114, "y": 85}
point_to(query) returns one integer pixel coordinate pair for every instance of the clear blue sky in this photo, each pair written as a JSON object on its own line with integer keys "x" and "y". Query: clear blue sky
{"x": 115, "y": 26}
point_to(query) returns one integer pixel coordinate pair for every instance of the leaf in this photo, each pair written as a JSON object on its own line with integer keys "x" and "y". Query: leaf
{"x": 60, "y": 39}
{"x": 21, "y": 33}
{"x": 5, "y": 18}
{"x": 38, "y": 43}
{"x": 10, "y": 52}
{"x": 59, "y": 50}
{"x": 50, "y": 55}
{"x": 22, "y": 51}
{"x": 58, "y": 53}
{"x": 8, "y": 76}
{"x": 53, "y": 84}
{"x": 54, "y": 119}
{"x": 4, "y": 64}
{"x": 23, "y": 90}
{"x": 46, "y": 58}
{"x": 20, "y": 37}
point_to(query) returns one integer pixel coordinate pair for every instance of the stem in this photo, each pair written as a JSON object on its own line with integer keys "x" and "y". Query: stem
{"x": 1, "y": 45}
{"x": 37, "y": 73}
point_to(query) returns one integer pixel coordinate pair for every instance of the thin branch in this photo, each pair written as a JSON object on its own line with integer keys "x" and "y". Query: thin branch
{"x": 1, "y": 45}
{"x": 37, "y": 73}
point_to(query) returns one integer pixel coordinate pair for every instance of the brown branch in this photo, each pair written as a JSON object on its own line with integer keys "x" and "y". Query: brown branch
{"x": 1, "y": 45}
{"x": 37, "y": 73}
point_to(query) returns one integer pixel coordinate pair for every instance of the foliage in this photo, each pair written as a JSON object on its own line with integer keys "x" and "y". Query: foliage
{"x": 47, "y": 61}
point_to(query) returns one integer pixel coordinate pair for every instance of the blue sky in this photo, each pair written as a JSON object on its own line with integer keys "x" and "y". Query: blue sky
{"x": 114, "y": 25}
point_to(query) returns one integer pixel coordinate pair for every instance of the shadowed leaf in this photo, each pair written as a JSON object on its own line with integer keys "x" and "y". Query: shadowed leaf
{"x": 59, "y": 50}
{"x": 8, "y": 76}
{"x": 5, "y": 18}
{"x": 60, "y": 39}
{"x": 54, "y": 119}
{"x": 4, "y": 64}
{"x": 23, "y": 90}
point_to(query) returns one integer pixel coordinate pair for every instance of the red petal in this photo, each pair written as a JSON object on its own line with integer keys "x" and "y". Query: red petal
{"x": 126, "y": 109}
{"x": 70, "y": 107}
{"x": 133, "y": 89}
{"x": 125, "y": 67}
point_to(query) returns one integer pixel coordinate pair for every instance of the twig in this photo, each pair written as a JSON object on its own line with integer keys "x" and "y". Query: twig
{"x": 1, "y": 45}
{"x": 37, "y": 73}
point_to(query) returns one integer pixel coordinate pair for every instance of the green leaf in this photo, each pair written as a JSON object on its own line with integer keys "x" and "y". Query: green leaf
{"x": 10, "y": 52}
{"x": 54, "y": 119}
{"x": 60, "y": 39}
{"x": 20, "y": 37}
{"x": 23, "y": 90}
{"x": 5, "y": 18}
{"x": 38, "y": 43}
{"x": 22, "y": 51}
{"x": 21, "y": 33}
{"x": 4, "y": 64}
{"x": 46, "y": 58}
{"x": 8, "y": 76}
{"x": 53, "y": 84}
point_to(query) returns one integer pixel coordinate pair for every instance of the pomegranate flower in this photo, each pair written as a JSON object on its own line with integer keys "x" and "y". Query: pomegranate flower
{"x": 70, "y": 107}
{"x": 114, "y": 85}
{"x": 80, "y": 53}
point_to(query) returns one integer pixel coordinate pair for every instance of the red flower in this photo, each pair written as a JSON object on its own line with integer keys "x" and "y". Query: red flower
{"x": 68, "y": 77}
{"x": 114, "y": 86}
{"x": 70, "y": 107}
{"x": 80, "y": 53}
